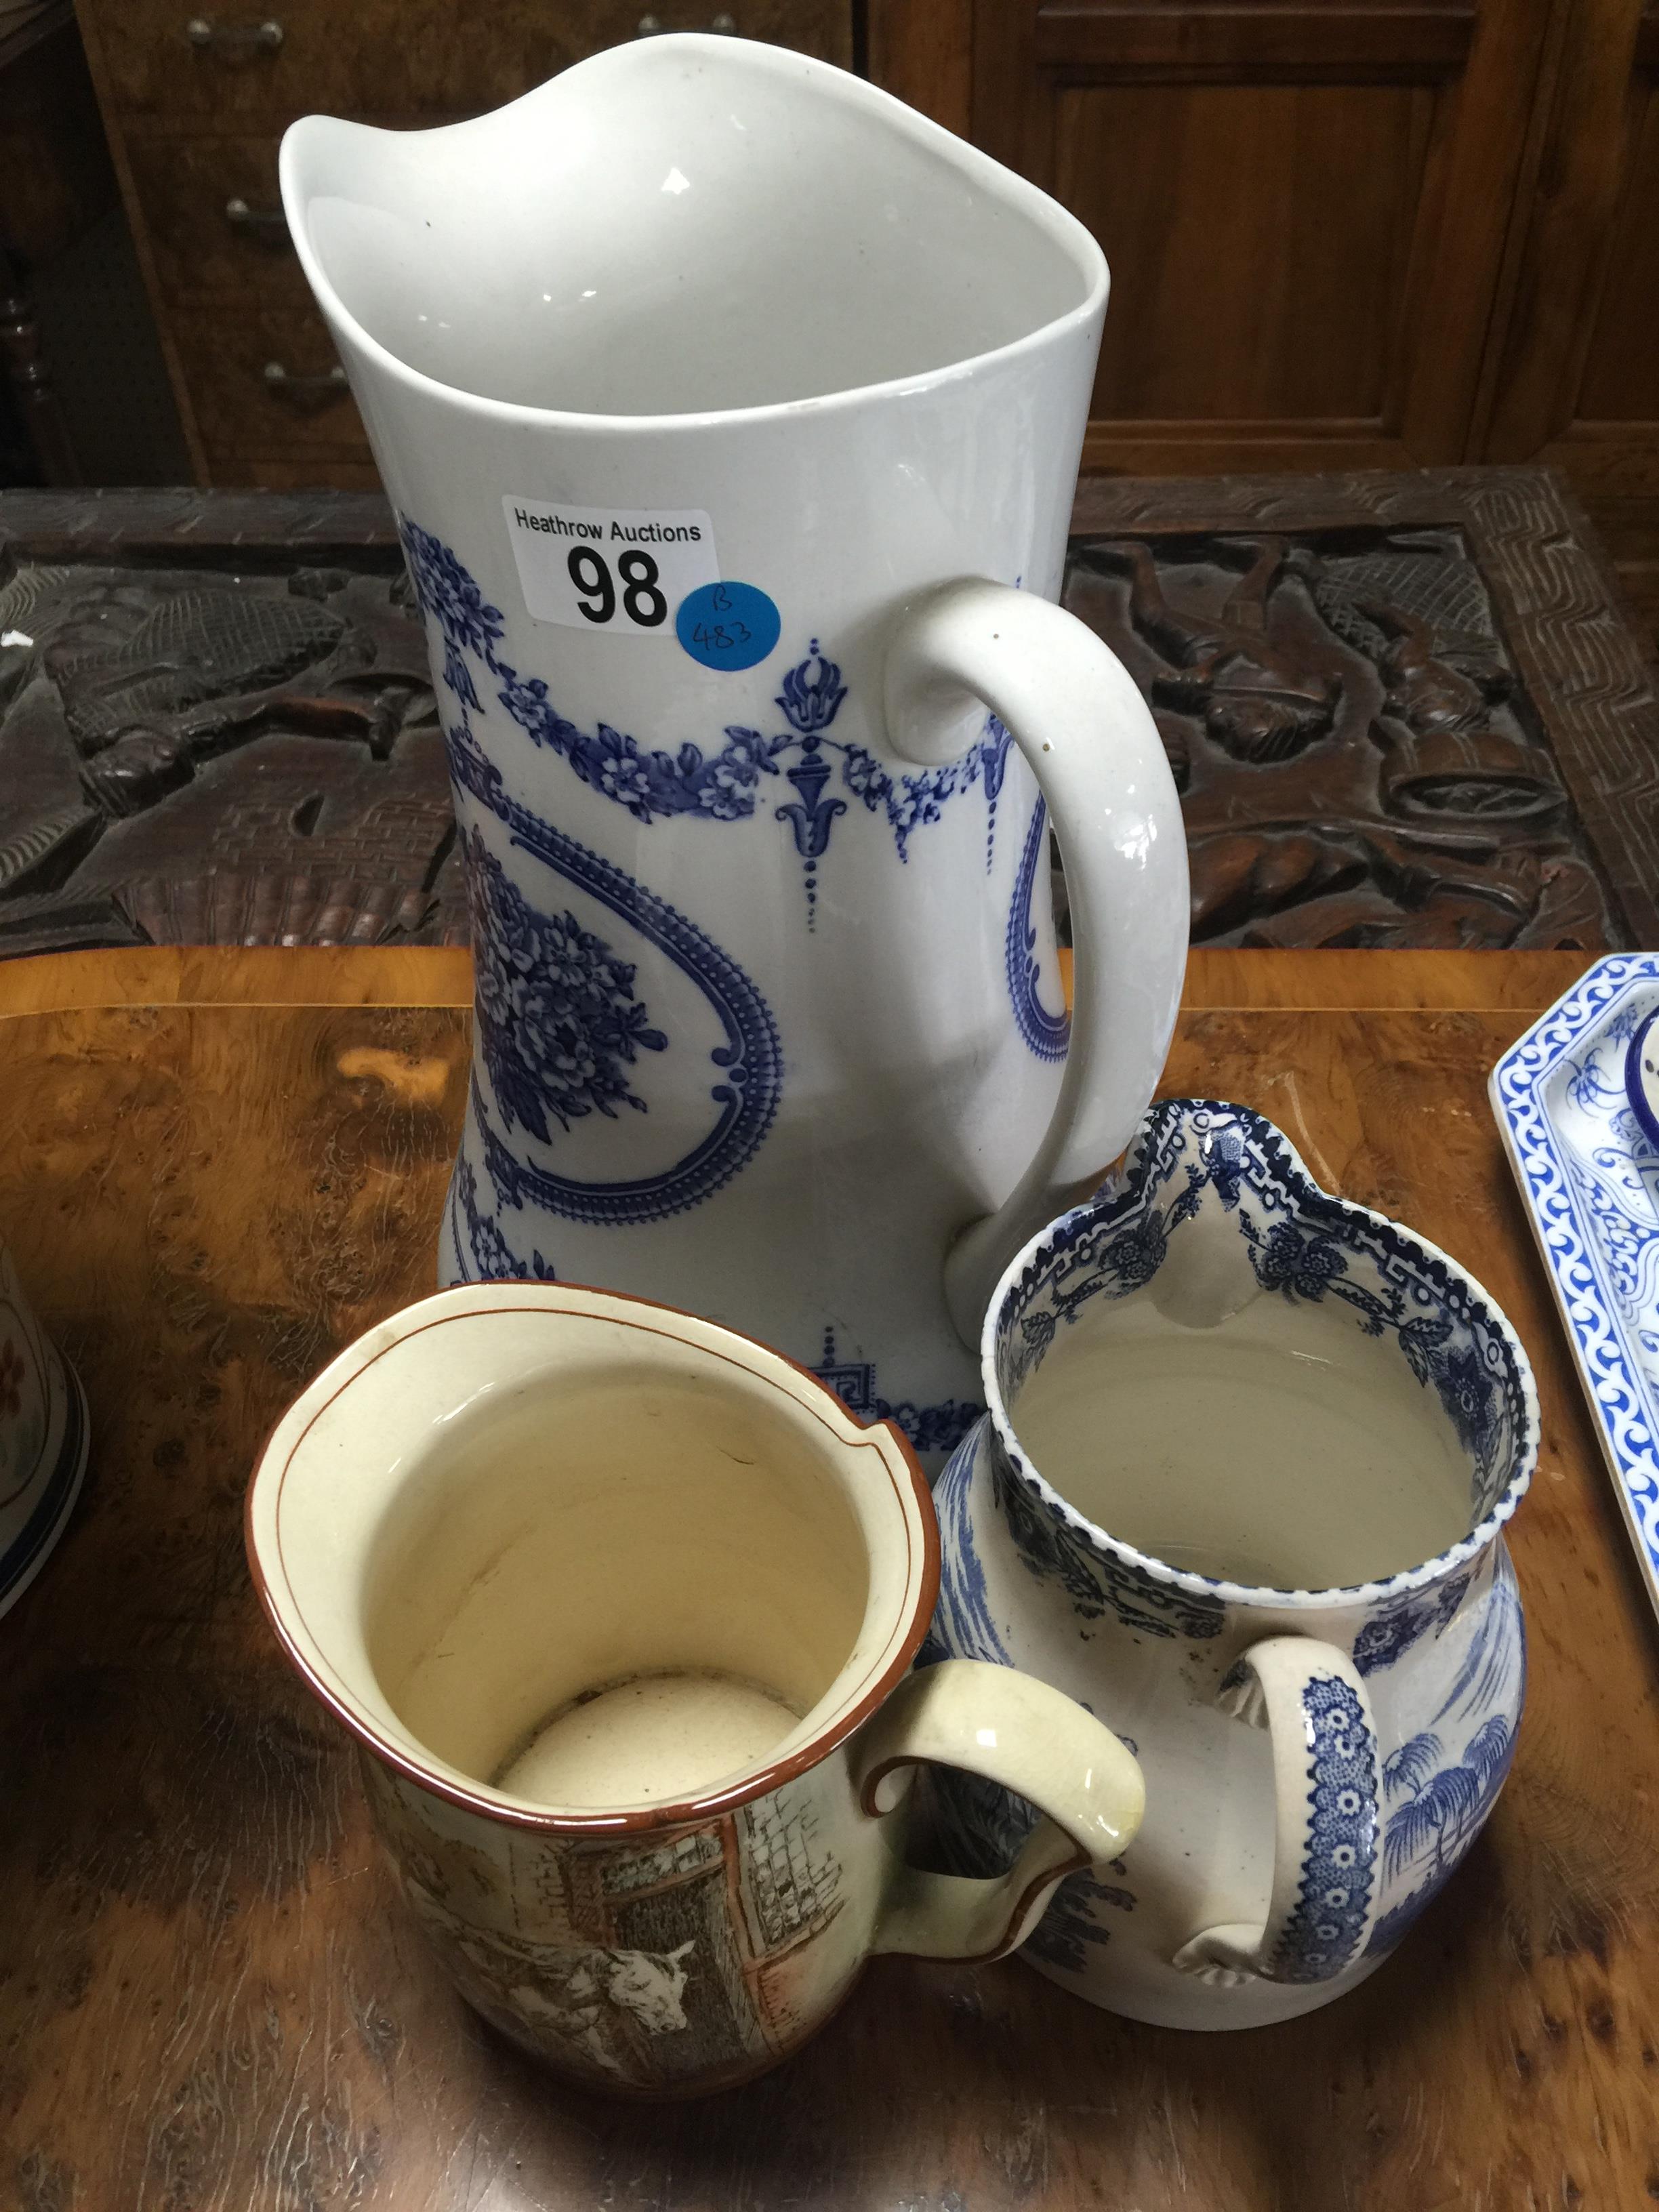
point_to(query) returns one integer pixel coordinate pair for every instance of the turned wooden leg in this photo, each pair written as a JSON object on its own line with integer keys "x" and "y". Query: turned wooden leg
{"x": 31, "y": 380}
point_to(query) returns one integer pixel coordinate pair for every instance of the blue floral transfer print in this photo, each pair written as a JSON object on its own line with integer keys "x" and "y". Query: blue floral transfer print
{"x": 1098, "y": 1581}
{"x": 1322, "y": 1934}
{"x": 492, "y": 1258}
{"x": 445, "y": 590}
{"x": 1304, "y": 1245}
{"x": 1386, "y": 1635}
{"x": 1115, "y": 1259}
{"x": 726, "y": 784}
{"x": 597, "y": 1027}
{"x": 558, "y": 1021}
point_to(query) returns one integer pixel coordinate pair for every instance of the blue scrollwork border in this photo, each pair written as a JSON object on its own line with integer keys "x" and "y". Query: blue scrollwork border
{"x": 1614, "y": 1345}
{"x": 1048, "y": 1035}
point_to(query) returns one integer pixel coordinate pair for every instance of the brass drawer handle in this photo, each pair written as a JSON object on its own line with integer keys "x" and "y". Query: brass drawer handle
{"x": 244, "y": 217}
{"x": 203, "y": 31}
{"x": 723, "y": 25}
{"x": 277, "y": 380}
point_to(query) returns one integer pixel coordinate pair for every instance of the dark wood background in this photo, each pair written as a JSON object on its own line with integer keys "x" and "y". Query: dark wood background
{"x": 1342, "y": 234}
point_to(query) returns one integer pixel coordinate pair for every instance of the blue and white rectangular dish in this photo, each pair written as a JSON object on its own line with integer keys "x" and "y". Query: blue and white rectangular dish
{"x": 1589, "y": 1175}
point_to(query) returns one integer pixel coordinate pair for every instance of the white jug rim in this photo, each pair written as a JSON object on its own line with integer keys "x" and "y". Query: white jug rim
{"x": 857, "y": 1691}
{"x": 307, "y": 141}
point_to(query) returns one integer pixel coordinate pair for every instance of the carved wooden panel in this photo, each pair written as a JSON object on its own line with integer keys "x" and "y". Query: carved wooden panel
{"x": 1357, "y": 763}
{"x": 192, "y": 754}
{"x": 1407, "y": 710}
{"x": 1403, "y": 710}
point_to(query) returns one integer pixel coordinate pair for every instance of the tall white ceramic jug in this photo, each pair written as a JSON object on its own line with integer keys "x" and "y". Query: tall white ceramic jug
{"x": 731, "y": 413}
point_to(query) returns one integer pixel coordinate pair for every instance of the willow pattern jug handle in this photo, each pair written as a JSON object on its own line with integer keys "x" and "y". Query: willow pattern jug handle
{"x": 1076, "y": 715}
{"x": 1326, "y": 1794}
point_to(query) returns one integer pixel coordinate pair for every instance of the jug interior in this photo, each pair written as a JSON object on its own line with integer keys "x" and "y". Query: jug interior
{"x": 1283, "y": 1448}
{"x": 670, "y": 230}
{"x": 613, "y": 1588}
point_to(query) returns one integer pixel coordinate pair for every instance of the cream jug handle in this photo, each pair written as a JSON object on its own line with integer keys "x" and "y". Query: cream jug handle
{"x": 1076, "y": 715}
{"x": 1327, "y": 1874}
{"x": 1033, "y": 1740}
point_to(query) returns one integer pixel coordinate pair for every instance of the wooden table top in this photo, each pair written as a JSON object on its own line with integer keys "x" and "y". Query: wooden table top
{"x": 217, "y": 1167}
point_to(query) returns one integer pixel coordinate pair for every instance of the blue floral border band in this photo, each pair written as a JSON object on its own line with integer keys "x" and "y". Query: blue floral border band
{"x": 721, "y": 785}
{"x": 1323, "y": 1935}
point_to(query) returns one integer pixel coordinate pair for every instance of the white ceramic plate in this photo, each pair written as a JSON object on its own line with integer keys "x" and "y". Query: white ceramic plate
{"x": 1590, "y": 1174}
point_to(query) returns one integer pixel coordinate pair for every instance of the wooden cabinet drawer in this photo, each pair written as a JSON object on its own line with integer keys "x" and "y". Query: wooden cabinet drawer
{"x": 184, "y": 187}
{"x": 379, "y": 56}
{"x": 223, "y": 352}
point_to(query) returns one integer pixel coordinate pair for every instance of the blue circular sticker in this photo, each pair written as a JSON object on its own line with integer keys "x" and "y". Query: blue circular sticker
{"x": 727, "y": 625}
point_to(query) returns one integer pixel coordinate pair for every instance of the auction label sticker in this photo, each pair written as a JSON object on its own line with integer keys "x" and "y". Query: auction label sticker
{"x": 613, "y": 569}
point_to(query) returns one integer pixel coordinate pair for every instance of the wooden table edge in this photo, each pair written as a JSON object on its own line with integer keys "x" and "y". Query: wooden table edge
{"x": 441, "y": 976}
{"x": 238, "y": 976}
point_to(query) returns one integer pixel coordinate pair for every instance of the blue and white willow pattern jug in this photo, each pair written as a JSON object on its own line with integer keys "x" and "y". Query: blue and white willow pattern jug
{"x": 1279, "y": 1863}
{"x": 731, "y": 413}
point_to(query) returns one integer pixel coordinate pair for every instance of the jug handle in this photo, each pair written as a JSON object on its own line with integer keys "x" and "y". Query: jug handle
{"x": 1327, "y": 1874}
{"x": 1034, "y": 1739}
{"x": 1078, "y": 717}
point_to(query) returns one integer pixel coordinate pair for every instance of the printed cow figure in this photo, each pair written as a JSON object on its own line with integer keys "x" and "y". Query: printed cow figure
{"x": 578, "y": 1992}
{"x": 583, "y": 1993}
